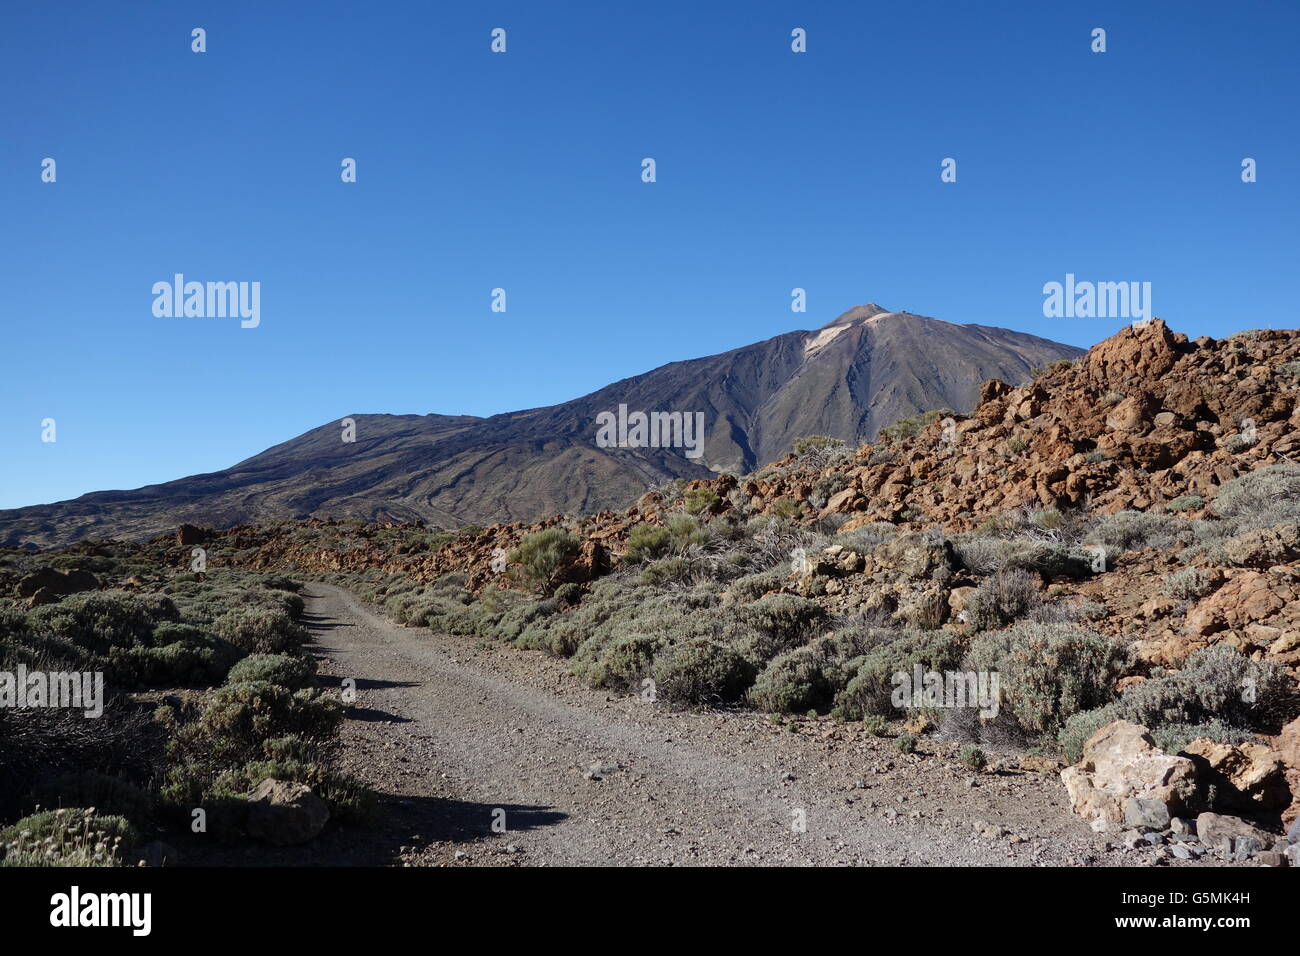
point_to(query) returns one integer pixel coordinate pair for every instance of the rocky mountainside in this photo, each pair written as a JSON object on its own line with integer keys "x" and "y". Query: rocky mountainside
{"x": 1117, "y": 542}
{"x": 1141, "y": 503}
{"x": 1146, "y": 418}
{"x": 865, "y": 369}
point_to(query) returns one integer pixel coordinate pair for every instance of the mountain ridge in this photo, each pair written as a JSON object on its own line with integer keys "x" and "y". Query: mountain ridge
{"x": 454, "y": 470}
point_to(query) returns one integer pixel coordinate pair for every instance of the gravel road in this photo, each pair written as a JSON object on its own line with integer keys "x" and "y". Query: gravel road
{"x": 458, "y": 735}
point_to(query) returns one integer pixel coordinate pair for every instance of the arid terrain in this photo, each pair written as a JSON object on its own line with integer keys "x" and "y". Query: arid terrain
{"x": 1104, "y": 563}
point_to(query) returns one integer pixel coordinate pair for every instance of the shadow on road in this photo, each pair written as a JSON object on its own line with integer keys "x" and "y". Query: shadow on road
{"x": 400, "y": 821}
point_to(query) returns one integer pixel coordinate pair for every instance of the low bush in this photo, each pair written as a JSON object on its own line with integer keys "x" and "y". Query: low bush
{"x": 67, "y": 837}
{"x": 702, "y": 671}
{"x": 542, "y": 554}
{"x": 1003, "y": 598}
{"x": 293, "y": 671}
{"x": 260, "y": 630}
{"x": 1135, "y": 530}
{"x": 1048, "y": 672}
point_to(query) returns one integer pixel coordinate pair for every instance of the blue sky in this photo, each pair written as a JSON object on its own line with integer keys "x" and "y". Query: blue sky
{"x": 522, "y": 171}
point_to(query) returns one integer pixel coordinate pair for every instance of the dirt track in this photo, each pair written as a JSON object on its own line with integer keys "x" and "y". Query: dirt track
{"x": 451, "y": 730}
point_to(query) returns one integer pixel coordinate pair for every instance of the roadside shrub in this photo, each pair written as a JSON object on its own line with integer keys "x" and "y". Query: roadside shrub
{"x": 1079, "y": 728}
{"x": 68, "y": 837}
{"x": 1048, "y": 672}
{"x": 871, "y": 688}
{"x": 241, "y": 716}
{"x": 905, "y": 743}
{"x": 259, "y": 630}
{"x": 98, "y": 621}
{"x": 780, "y": 622}
{"x": 195, "y": 659}
{"x": 541, "y": 554}
{"x": 806, "y": 678}
{"x": 281, "y": 582}
{"x": 702, "y": 671}
{"x": 875, "y": 725}
{"x": 620, "y": 663}
{"x": 294, "y": 671}
{"x": 972, "y": 757}
{"x": 107, "y": 793}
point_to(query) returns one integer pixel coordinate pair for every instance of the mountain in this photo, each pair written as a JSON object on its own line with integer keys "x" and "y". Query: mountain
{"x": 865, "y": 369}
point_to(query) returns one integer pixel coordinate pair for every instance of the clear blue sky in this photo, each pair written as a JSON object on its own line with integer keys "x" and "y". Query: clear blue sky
{"x": 522, "y": 170}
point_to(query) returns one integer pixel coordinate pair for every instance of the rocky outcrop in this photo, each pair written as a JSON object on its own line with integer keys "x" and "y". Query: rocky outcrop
{"x": 47, "y": 585}
{"x": 283, "y": 813}
{"x": 1123, "y": 774}
{"x": 1244, "y": 777}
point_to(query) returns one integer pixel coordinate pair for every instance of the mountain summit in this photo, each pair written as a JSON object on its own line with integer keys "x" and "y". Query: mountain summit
{"x": 865, "y": 369}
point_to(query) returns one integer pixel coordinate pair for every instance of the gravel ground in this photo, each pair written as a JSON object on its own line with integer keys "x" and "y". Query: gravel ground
{"x": 455, "y": 734}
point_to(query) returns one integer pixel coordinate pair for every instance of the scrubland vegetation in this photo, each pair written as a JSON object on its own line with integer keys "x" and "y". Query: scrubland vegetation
{"x": 714, "y": 613}
{"x": 208, "y": 692}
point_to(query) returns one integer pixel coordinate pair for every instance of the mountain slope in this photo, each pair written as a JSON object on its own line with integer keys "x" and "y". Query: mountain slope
{"x": 863, "y": 370}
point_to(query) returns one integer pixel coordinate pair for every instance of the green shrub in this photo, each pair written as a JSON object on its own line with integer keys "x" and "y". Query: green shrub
{"x": 906, "y": 428}
{"x": 241, "y": 716}
{"x": 98, "y": 621}
{"x": 972, "y": 757}
{"x": 875, "y": 725}
{"x": 1048, "y": 672}
{"x": 293, "y": 671}
{"x": 785, "y": 508}
{"x": 620, "y": 664}
{"x": 196, "y": 659}
{"x": 68, "y": 837}
{"x": 1079, "y": 728}
{"x": 646, "y": 542}
{"x": 702, "y": 671}
{"x": 870, "y": 690}
{"x": 1185, "y": 503}
{"x": 780, "y": 622}
{"x": 541, "y": 555}
{"x": 813, "y": 443}
{"x": 698, "y": 500}
{"x": 905, "y": 743}
{"x": 259, "y": 630}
